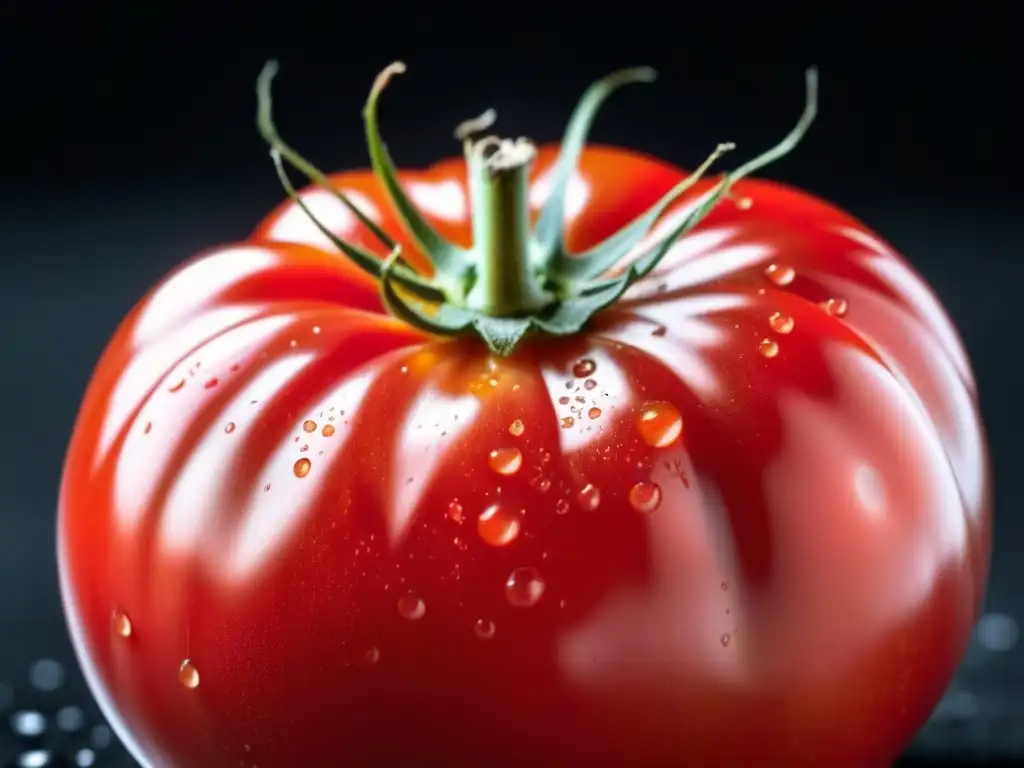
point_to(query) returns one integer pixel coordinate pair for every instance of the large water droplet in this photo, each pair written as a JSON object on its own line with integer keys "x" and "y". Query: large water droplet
{"x": 484, "y": 629}
{"x": 516, "y": 428}
{"x": 781, "y": 323}
{"x": 309, "y": 426}
{"x": 645, "y": 497}
{"x": 122, "y": 624}
{"x": 524, "y": 587}
{"x": 584, "y": 368}
{"x": 328, "y": 430}
{"x": 188, "y": 675}
{"x": 302, "y": 467}
{"x": 499, "y": 525}
{"x": 567, "y": 422}
{"x": 411, "y": 607}
{"x": 660, "y": 424}
{"x": 589, "y": 497}
{"x": 768, "y": 347}
{"x": 594, "y": 412}
{"x": 780, "y": 274}
{"x": 505, "y": 461}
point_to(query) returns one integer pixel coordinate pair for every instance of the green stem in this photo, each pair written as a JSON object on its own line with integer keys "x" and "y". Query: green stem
{"x": 505, "y": 284}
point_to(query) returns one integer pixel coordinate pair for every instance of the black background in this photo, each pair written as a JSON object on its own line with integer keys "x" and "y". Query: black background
{"x": 130, "y": 145}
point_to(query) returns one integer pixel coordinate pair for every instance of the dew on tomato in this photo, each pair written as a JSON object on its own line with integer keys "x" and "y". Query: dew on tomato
{"x": 455, "y": 511}
{"x": 177, "y": 386}
{"x": 211, "y": 383}
{"x": 562, "y": 507}
{"x": 645, "y": 497}
{"x": 505, "y": 461}
{"x": 484, "y": 629}
{"x": 594, "y": 412}
{"x": 660, "y": 424}
{"x": 524, "y": 587}
{"x": 768, "y": 348}
{"x": 309, "y": 426}
{"x": 589, "y": 497}
{"x": 780, "y": 274}
{"x": 499, "y": 525}
{"x": 583, "y": 368}
{"x": 301, "y": 467}
{"x": 590, "y": 384}
{"x": 328, "y": 430}
{"x": 567, "y": 422}
{"x": 781, "y": 323}
{"x": 541, "y": 482}
{"x": 372, "y": 655}
{"x": 411, "y": 607}
{"x": 516, "y": 428}
{"x": 836, "y": 307}
{"x": 188, "y": 675}
{"x": 122, "y": 624}
{"x": 229, "y": 427}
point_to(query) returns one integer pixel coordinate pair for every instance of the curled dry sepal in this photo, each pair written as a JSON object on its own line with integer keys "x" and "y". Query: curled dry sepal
{"x": 567, "y": 289}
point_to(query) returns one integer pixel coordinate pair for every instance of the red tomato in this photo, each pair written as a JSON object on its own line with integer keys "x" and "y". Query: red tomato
{"x": 742, "y": 518}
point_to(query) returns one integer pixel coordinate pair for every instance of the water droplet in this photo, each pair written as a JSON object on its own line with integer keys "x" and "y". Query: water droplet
{"x": 309, "y": 426}
{"x": 567, "y": 422}
{"x": 229, "y": 427}
{"x": 148, "y": 428}
{"x": 505, "y": 461}
{"x": 562, "y": 507}
{"x": 499, "y": 525}
{"x": 725, "y": 640}
{"x": 46, "y": 675}
{"x": 589, "y": 497}
{"x": 589, "y": 384}
{"x": 411, "y": 607}
{"x": 460, "y": 543}
{"x": 645, "y": 497}
{"x": 302, "y": 467}
{"x": 768, "y": 347}
{"x": 122, "y": 624}
{"x": 455, "y": 511}
{"x": 781, "y": 323}
{"x": 372, "y": 655}
{"x": 211, "y": 383}
{"x": 594, "y": 412}
{"x": 836, "y": 307}
{"x": 524, "y": 587}
{"x": 516, "y": 428}
{"x": 188, "y": 675}
{"x": 328, "y": 430}
{"x": 660, "y": 424}
{"x": 661, "y": 330}
{"x": 484, "y": 629}
{"x": 541, "y": 482}
{"x": 780, "y": 274}
{"x": 563, "y": 400}
{"x": 584, "y": 368}
{"x": 176, "y": 386}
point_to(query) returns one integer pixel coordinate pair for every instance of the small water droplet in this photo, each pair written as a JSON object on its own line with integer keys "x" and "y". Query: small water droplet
{"x": 176, "y": 386}
{"x": 562, "y": 507}
{"x": 328, "y": 430}
{"x": 744, "y": 203}
{"x": 211, "y": 383}
{"x": 499, "y": 525}
{"x": 567, "y": 422}
{"x": 589, "y": 385}
{"x": 768, "y": 347}
{"x": 148, "y": 428}
{"x": 455, "y": 511}
{"x": 372, "y": 655}
{"x": 309, "y": 426}
{"x": 781, "y": 323}
{"x": 460, "y": 543}
{"x": 725, "y": 640}
{"x": 484, "y": 629}
{"x": 836, "y": 307}
{"x": 594, "y": 412}
{"x": 302, "y": 467}
{"x": 660, "y": 424}
{"x": 516, "y": 428}
{"x": 229, "y": 427}
{"x": 563, "y": 400}
{"x": 122, "y": 624}
{"x": 188, "y": 675}
{"x": 411, "y": 607}
{"x": 589, "y": 497}
{"x": 505, "y": 461}
{"x": 524, "y": 587}
{"x": 645, "y": 497}
{"x": 780, "y": 274}
{"x": 584, "y": 368}
{"x": 660, "y": 330}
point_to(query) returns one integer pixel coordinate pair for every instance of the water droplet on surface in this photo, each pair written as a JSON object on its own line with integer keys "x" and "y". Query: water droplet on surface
{"x": 589, "y": 384}
{"x": 567, "y": 422}
{"x": 211, "y": 383}
{"x": 149, "y": 426}
{"x": 176, "y": 386}
{"x": 562, "y": 507}
{"x": 499, "y": 525}
{"x": 584, "y": 368}
{"x": 661, "y": 330}
{"x": 725, "y": 640}
{"x": 744, "y": 203}
{"x": 516, "y": 428}
{"x": 122, "y": 624}
{"x": 455, "y": 511}
{"x": 505, "y": 461}
{"x": 645, "y": 497}
{"x": 302, "y": 467}
{"x": 781, "y": 323}
{"x": 460, "y": 543}
{"x": 411, "y": 607}
{"x": 328, "y": 430}
{"x": 229, "y": 427}
{"x": 563, "y": 400}
{"x": 484, "y": 629}
{"x": 188, "y": 675}
{"x": 309, "y": 426}
{"x": 541, "y": 482}
{"x": 780, "y": 274}
{"x": 589, "y": 497}
{"x": 768, "y": 348}
{"x": 372, "y": 655}
{"x": 594, "y": 412}
{"x": 836, "y": 307}
{"x": 524, "y": 587}
{"x": 660, "y": 424}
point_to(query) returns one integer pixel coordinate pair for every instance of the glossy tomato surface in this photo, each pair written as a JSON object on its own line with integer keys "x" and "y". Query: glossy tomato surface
{"x": 742, "y": 520}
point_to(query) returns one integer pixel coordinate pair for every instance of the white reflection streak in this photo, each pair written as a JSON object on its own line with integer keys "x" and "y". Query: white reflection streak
{"x": 418, "y": 451}
{"x": 576, "y": 195}
{"x": 143, "y": 456}
{"x": 269, "y": 522}
{"x": 295, "y": 225}
{"x": 612, "y": 386}
{"x": 444, "y": 200}
{"x": 201, "y": 487}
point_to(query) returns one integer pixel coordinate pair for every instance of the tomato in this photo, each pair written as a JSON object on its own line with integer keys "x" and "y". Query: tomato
{"x": 739, "y": 515}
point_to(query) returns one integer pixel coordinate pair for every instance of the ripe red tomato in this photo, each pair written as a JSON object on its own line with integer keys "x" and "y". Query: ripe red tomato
{"x": 741, "y": 517}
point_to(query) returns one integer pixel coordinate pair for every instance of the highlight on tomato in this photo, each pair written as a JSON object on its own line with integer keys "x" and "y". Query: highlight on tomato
{"x": 539, "y": 456}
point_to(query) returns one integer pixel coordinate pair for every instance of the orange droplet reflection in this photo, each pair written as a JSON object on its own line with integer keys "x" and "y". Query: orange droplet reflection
{"x": 781, "y": 323}
{"x": 768, "y": 347}
{"x": 505, "y": 461}
{"x": 302, "y": 467}
{"x": 188, "y": 675}
{"x": 645, "y": 497}
{"x": 499, "y": 525}
{"x": 524, "y": 587}
{"x": 660, "y": 424}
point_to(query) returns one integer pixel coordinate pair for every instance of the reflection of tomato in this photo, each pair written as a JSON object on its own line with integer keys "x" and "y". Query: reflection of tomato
{"x": 741, "y": 519}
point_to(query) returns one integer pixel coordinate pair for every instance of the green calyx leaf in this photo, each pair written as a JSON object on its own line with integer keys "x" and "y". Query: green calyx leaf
{"x": 512, "y": 282}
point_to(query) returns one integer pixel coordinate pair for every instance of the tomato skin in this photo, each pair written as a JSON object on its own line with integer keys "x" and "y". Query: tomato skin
{"x": 800, "y": 596}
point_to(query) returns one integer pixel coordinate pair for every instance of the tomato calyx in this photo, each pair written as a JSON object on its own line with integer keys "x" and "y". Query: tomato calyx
{"x": 512, "y": 281}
